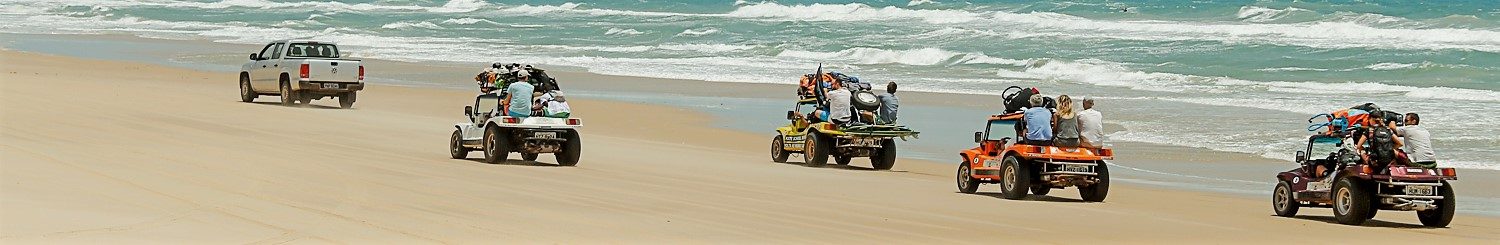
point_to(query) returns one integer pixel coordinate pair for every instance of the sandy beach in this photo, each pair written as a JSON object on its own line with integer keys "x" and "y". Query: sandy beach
{"x": 127, "y": 152}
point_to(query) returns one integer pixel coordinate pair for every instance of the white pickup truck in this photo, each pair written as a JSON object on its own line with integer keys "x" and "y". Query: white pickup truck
{"x": 300, "y": 71}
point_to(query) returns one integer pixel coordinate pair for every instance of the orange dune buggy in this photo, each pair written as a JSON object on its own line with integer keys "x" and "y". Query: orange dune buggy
{"x": 1018, "y": 167}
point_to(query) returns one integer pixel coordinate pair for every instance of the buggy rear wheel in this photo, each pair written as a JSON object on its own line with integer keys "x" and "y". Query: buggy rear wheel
{"x": 1040, "y": 190}
{"x": 1015, "y": 179}
{"x": 815, "y": 152}
{"x": 885, "y": 157}
{"x": 1351, "y": 204}
{"x": 496, "y": 145}
{"x": 1443, "y": 215}
{"x": 572, "y": 150}
{"x": 530, "y": 157}
{"x": 1100, "y": 189}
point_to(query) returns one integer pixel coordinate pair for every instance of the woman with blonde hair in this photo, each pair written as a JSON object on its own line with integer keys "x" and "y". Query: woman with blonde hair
{"x": 1065, "y": 122}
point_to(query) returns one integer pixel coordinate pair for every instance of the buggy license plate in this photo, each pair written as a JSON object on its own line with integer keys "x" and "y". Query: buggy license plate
{"x": 1418, "y": 190}
{"x": 331, "y": 85}
{"x": 545, "y": 135}
{"x": 1077, "y": 168}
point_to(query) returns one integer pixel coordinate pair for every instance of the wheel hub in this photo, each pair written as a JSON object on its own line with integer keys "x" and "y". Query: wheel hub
{"x": 1281, "y": 198}
{"x": 963, "y": 176}
{"x": 1010, "y": 177}
{"x": 1341, "y": 201}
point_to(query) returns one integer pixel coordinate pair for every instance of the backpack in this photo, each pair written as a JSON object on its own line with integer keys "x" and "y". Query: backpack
{"x": 1382, "y": 144}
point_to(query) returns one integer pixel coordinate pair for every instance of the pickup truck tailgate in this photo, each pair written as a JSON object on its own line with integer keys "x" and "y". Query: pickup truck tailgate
{"x": 332, "y": 70}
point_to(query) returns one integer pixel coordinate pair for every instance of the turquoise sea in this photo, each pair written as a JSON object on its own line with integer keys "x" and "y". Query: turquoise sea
{"x": 1237, "y": 76}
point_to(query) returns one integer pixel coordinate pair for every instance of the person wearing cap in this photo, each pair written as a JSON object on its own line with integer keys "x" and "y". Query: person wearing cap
{"x": 553, "y": 104}
{"x": 1091, "y": 125}
{"x": 519, "y": 96}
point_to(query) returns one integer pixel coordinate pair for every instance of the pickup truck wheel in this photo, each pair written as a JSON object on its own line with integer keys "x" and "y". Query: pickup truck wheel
{"x": 530, "y": 157}
{"x": 1100, "y": 188}
{"x": 496, "y": 146}
{"x": 1351, "y": 204}
{"x": 966, "y": 182}
{"x": 1443, "y": 215}
{"x": 1283, "y": 201}
{"x": 815, "y": 152}
{"x": 885, "y": 157}
{"x": 346, "y": 100}
{"x": 246, "y": 93}
{"x": 1015, "y": 179}
{"x": 288, "y": 97}
{"x": 778, "y": 150}
{"x": 456, "y": 146}
{"x": 572, "y": 150}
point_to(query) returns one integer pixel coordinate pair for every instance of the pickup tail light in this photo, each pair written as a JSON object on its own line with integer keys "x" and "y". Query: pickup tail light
{"x": 511, "y": 120}
{"x": 304, "y": 71}
{"x": 574, "y": 121}
{"x": 361, "y": 73}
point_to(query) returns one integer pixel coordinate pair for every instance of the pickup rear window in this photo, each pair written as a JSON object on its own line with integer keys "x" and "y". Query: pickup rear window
{"x": 312, "y": 50}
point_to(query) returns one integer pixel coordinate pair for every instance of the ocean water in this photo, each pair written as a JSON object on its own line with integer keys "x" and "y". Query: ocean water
{"x": 1237, "y": 76}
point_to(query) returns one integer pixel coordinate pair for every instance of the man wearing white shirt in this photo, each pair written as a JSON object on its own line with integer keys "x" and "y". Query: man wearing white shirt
{"x": 1092, "y": 130}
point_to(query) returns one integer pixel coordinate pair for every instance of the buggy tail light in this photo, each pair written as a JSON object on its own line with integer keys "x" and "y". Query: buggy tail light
{"x": 304, "y": 71}
{"x": 512, "y": 120}
{"x": 361, "y": 73}
{"x": 1448, "y": 172}
{"x": 828, "y": 126}
{"x": 574, "y": 121}
{"x": 1365, "y": 169}
{"x": 1106, "y": 152}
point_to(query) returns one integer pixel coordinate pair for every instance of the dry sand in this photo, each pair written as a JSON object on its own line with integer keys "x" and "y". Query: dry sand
{"x": 117, "y": 152}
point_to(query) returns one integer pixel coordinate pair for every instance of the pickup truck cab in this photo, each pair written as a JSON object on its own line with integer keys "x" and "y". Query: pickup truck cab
{"x": 300, "y": 71}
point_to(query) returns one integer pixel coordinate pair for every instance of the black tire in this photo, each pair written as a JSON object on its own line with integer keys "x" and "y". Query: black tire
{"x": 1443, "y": 215}
{"x": 304, "y": 99}
{"x": 288, "y": 96}
{"x": 1351, "y": 203}
{"x": 965, "y": 178}
{"x": 247, "y": 94}
{"x": 496, "y": 145}
{"x": 1099, "y": 190}
{"x": 885, "y": 158}
{"x": 778, "y": 150}
{"x": 347, "y": 100}
{"x": 842, "y": 160}
{"x": 1040, "y": 190}
{"x": 572, "y": 150}
{"x": 1284, "y": 201}
{"x": 815, "y": 152}
{"x": 530, "y": 157}
{"x": 456, "y": 146}
{"x": 865, "y": 100}
{"x": 1015, "y": 178}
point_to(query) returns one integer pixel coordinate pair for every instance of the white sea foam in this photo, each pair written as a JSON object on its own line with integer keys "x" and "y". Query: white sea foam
{"x": 1264, "y": 14}
{"x": 923, "y": 57}
{"x": 698, "y": 32}
{"x": 1291, "y": 68}
{"x": 848, "y": 12}
{"x": 1389, "y": 66}
{"x": 468, "y": 21}
{"x": 1105, "y": 73}
{"x": 919, "y": 2}
{"x": 406, "y": 25}
{"x": 623, "y": 32}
